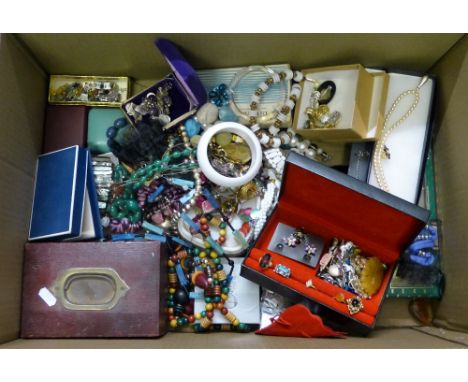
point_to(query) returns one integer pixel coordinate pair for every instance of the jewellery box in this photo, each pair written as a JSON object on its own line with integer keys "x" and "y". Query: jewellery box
{"x": 185, "y": 92}
{"x": 65, "y": 205}
{"x": 99, "y": 120}
{"x": 329, "y": 204}
{"x": 353, "y": 97}
{"x": 88, "y": 90}
{"x": 64, "y": 126}
{"x": 408, "y": 144}
{"x": 94, "y": 290}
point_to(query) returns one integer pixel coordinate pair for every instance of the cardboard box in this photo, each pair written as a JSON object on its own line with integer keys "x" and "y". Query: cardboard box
{"x": 327, "y": 203}
{"x": 23, "y": 88}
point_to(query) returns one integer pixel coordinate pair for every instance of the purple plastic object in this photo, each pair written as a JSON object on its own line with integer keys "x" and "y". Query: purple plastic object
{"x": 184, "y": 72}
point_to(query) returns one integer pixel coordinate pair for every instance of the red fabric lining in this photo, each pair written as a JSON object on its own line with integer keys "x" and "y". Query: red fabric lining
{"x": 377, "y": 227}
{"x": 325, "y": 292}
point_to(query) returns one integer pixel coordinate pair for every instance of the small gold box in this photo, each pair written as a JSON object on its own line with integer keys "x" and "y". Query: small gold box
{"x": 353, "y": 99}
{"x": 88, "y": 90}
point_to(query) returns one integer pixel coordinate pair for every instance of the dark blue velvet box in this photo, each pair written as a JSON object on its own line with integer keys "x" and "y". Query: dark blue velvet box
{"x": 65, "y": 203}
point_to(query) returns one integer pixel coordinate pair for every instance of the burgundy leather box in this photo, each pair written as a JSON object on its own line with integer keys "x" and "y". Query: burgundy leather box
{"x": 77, "y": 290}
{"x": 65, "y": 126}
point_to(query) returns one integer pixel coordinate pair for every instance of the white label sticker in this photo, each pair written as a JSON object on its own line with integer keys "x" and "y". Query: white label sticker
{"x": 47, "y": 296}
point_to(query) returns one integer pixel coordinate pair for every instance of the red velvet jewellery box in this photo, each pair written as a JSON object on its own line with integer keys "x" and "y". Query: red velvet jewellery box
{"x": 330, "y": 204}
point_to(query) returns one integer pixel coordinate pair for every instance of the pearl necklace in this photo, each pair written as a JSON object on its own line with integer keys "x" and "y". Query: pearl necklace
{"x": 381, "y": 149}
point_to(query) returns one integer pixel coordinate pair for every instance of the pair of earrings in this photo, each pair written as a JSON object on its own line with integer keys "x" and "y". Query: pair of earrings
{"x": 295, "y": 239}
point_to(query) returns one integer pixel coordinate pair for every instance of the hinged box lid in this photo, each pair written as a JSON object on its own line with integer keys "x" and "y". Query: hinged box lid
{"x": 183, "y": 71}
{"x": 379, "y": 222}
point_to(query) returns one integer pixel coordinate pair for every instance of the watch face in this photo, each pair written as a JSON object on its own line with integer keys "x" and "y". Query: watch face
{"x": 297, "y": 244}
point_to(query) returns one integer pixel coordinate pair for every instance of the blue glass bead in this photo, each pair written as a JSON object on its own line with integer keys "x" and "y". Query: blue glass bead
{"x": 111, "y": 132}
{"x": 219, "y": 267}
{"x": 192, "y": 127}
{"x": 119, "y": 123}
{"x": 170, "y": 304}
{"x": 217, "y": 299}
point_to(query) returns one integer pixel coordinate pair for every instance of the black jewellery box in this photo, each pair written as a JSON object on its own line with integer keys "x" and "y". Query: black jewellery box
{"x": 329, "y": 204}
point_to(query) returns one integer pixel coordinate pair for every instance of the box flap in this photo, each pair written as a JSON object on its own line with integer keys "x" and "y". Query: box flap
{"x": 377, "y": 221}
{"x": 183, "y": 71}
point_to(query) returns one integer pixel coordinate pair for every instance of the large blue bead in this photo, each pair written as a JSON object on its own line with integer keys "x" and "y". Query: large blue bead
{"x": 111, "y": 132}
{"x": 119, "y": 123}
{"x": 227, "y": 115}
{"x": 192, "y": 127}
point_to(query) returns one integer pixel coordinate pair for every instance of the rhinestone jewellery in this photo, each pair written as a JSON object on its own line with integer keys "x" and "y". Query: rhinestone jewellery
{"x": 380, "y": 149}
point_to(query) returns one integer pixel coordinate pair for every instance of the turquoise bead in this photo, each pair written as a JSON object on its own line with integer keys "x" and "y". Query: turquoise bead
{"x": 186, "y": 152}
{"x": 176, "y": 154}
{"x": 113, "y": 211}
{"x": 192, "y": 127}
{"x": 140, "y": 172}
{"x": 132, "y": 205}
{"x": 225, "y": 290}
{"x": 137, "y": 185}
{"x": 227, "y": 115}
{"x": 207, "y": 300}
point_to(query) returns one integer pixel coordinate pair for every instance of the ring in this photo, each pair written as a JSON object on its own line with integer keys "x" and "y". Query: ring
{"x": 355, "y": 305}
{"x": 283, "y": 270}
{"x": 248, "y": 136}
{"x": 265, "y": 261}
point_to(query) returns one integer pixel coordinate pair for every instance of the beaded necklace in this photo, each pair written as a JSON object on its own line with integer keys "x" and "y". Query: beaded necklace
{"x": 201, "y": 268}
{"x": 125, "y": 208}
{"x": 271, "y": 137}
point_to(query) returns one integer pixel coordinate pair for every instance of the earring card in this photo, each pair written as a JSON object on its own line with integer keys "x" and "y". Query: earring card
{"x": 285, "y": 243}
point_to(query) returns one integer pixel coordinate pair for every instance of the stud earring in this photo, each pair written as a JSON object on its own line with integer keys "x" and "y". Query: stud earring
{"x": 310, "y": 250}
{"x": 291, "y": 241}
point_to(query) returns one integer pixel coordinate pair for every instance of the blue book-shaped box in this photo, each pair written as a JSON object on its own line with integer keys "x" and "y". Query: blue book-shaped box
{"x": 65, "y": 205}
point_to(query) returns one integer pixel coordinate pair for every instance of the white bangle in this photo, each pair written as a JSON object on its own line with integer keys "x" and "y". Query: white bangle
{"x": 248, "y": 136}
